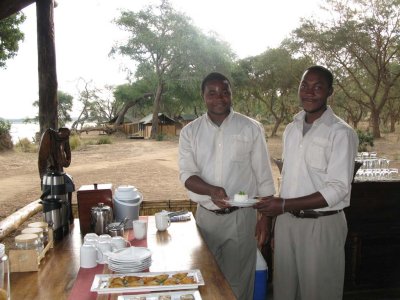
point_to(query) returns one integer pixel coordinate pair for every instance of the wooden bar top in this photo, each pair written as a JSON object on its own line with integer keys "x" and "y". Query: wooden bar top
{"x": 180, "y": 247}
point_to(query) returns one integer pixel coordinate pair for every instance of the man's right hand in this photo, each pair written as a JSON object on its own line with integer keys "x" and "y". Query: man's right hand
{"x": 219, "y": 197}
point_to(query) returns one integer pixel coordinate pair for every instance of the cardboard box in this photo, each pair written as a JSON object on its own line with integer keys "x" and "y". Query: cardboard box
{"x": 89, "y": 196}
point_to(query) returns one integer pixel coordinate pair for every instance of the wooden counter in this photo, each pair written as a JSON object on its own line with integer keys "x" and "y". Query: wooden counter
{"x": 181, "y": 247}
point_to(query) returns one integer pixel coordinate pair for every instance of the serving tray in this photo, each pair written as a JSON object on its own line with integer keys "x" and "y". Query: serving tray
{"x": 156, "y": 296}
{"x": 101, "y": 282}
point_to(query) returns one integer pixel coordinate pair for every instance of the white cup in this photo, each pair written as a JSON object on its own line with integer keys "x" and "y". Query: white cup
{"x": 103, "y": 248}
{"x": 88, "y": 256}
{"x": 139, "y": 229}
{"x": 104, "y": 237}
{"x": 118, "y": 242}
{"x": 90, "y": 238}
{"x": 162, "y": 221}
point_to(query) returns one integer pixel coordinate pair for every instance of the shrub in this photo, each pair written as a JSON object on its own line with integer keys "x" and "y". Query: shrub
{"x": 25, "y": 145}
{"x": 74, "y": 141}
{"x": 5, "y": 126}
{"x": 104, "y": 140}
{"x": 160, "y": 137}
{"x": 5, "y": 137}
{"x": 365, "y": 139}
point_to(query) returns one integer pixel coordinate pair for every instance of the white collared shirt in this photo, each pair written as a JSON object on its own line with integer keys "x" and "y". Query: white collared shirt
{"x": 320, "y": 161}
{"x": 233, "y": 156}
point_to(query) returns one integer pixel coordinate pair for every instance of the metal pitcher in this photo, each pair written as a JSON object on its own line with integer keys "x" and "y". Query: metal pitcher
{"x": 100, "y": 217}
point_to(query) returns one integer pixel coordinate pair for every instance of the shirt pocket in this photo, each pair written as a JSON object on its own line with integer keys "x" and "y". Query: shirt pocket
{"x": 316, "y": 155}
{"x": 241, "y": 148}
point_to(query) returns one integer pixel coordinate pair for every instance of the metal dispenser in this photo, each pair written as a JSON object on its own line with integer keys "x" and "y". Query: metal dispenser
{"x": 56, "y": 207}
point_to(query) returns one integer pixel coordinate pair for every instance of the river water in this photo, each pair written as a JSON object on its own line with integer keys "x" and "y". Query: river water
{"x": 20, "y": 130}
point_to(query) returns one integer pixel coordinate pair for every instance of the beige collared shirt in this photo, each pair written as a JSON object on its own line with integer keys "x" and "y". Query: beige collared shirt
{"x": 320, "y": 161}
{"x": 233, "y": 156}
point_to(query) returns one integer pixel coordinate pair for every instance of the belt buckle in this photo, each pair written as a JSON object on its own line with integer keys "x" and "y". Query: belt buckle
{"x": 301, "y": 213}
{"x": 222, "y": 211}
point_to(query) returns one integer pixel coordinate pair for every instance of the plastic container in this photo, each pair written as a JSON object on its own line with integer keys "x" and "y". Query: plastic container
{"x": 45, "y": 228}
{"x": 127, "y": 193}
{"x": 27, "y": 241}
{"x": 127, "y": 200}
{"x": 261, "y": 279}
{"x": 5, "y": 292}
{"x": 39, "y": 233}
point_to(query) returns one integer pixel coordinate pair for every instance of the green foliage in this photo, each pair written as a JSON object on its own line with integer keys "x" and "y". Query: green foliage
{"x": 63, "y": 109}
{"x": 77, "y": 143}
{"x": 365, "y": 139}
{"x": 5, "y": 126}
{"x": 172, "y": 56}
{"x": 104, "y": 140}
{"x": 74, "y": 141}
{"x": 10, "y": 36}
{"x": 5, "y": 137}
{"x": 353, "y": 41}
{"x": 25, "y": 145}
{"x": 160, "y": 136}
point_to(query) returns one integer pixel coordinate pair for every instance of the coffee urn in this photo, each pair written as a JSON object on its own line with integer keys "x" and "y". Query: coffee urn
{"x": 56, "y": 208}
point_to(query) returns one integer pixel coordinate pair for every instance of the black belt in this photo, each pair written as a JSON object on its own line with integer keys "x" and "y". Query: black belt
{"x": 222, "y": 211}
{"x": 313, "y": 214}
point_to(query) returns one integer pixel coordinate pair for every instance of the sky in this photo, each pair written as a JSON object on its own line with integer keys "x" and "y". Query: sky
{"x": 85, "y": 34}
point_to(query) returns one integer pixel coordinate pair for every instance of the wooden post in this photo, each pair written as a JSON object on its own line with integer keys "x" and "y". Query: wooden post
{"x": 48, "y": 85}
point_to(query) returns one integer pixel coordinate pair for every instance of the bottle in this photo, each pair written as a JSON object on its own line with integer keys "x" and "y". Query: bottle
{"x": 5, "y": 293}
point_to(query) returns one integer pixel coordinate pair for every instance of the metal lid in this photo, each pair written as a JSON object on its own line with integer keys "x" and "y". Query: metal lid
{"x": 26, "y": 238}
{"x": 115, "y": 226}
{"x": 35, "y": 230}
{"x": 101, "y": 207}
{"x": 43, "y": 225}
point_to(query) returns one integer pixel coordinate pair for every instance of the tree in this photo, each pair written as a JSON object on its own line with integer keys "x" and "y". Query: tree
{"x": 273, "y": 78}
{"x": 360, "y": 43}
{"x": 167, "y": 48}
{"x": 87, "y": 94}
{"x": 10, "y": 37}
{"x": 64, "y": 109}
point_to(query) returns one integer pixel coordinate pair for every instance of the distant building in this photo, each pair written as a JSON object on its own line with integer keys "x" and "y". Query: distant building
{"x": 142, "y": 128}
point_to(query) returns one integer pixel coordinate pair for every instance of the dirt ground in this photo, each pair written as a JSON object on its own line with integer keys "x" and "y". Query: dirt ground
{"x": 149, "y": 165}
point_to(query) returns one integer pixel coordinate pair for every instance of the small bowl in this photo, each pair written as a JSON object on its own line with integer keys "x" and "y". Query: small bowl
{"x": 116, "y": 229}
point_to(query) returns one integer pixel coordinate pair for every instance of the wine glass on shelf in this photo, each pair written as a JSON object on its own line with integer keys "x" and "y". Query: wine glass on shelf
{"x": 384, "y": 163}
{"x": 393, "y": 173}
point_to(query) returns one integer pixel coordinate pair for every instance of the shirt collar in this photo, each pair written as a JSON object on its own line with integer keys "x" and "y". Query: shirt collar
{"x": 226, "y": 120}
{"x": 326, "y": 117}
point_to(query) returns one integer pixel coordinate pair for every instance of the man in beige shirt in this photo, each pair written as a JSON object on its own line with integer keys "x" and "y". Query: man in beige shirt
{"x": 221, "y": 153}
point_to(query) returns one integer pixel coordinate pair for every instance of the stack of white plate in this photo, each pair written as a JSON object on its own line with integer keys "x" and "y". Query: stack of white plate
{"x": 132, "y": 259}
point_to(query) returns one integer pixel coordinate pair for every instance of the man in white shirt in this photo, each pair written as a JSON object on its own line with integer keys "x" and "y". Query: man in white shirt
{"x": 220, "y": 154}
{"x": 319, "y": 151}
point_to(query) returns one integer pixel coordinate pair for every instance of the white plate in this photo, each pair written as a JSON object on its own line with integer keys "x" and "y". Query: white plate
{"x": 133, "y": 262}
{"x": 100, "y": 282}
{"x": 129, "y": 270}
{"x": 130, "y": 254}
{"x": 155, "y": 296}
{"x": 248, "y": 203}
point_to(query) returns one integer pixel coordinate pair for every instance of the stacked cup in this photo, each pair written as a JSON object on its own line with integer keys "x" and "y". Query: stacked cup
{"x": 95, "y": 248}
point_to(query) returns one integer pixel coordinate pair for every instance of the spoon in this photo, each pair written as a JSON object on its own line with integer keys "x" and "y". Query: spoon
{"x": 123, "y": 222}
